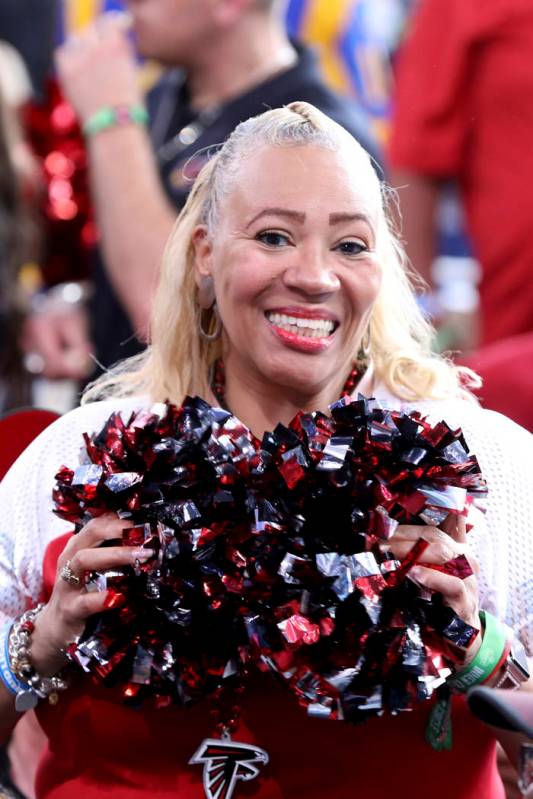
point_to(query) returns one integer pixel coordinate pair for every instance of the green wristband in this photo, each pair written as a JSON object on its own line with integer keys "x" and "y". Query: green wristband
{"x": 113, "y": 116}
{"x": 488, "y": 657}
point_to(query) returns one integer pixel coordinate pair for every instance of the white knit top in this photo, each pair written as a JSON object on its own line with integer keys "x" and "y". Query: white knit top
{"x": 502, "y": 540}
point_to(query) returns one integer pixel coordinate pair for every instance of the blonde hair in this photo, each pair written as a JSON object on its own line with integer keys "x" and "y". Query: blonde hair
{"x": 178, "y": 360}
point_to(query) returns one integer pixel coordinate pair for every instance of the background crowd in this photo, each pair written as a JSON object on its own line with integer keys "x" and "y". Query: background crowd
{"x": 440, "y": 94}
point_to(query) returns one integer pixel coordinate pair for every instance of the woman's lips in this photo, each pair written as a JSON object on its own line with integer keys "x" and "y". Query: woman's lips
{"x": 301, "y": 343}
{"x": 305, "y": 332}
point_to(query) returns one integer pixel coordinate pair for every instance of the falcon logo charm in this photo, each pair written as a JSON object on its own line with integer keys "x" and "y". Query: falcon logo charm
{"x": 226, "y": 761}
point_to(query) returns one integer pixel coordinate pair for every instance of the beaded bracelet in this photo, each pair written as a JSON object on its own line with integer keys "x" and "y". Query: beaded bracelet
{"x": 113, "y": 116}
{"x": 494, "y": 649}
{"x": 6, "y": 673}
{"x": 31, "y": 686}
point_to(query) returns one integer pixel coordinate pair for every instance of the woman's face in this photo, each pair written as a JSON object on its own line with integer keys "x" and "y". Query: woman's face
{"x": 294, "y": 266}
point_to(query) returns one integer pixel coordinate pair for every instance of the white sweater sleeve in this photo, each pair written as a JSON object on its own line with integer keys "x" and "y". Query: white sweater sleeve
{"x": 27, "y": 523}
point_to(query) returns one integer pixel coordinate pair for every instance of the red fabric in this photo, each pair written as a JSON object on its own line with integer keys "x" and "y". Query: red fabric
{"x": 505, "y": 367}
{"x": 17, "y": 431}
{"x": 98, "y": 747}
{"x": 464, "y": 109}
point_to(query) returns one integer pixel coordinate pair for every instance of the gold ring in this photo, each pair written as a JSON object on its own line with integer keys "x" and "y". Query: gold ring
{"x": 69, "y": 576}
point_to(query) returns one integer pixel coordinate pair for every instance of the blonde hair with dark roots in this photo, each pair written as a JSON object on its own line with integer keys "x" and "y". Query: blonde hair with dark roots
{"x": 178, "y": 360}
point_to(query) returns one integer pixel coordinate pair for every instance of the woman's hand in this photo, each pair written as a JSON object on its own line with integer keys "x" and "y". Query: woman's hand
{"x": 444, "y": 544}
{"x": 64, "y": 616}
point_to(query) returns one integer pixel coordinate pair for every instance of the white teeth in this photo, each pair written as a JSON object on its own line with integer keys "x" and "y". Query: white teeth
{"x": 310, "y": 328}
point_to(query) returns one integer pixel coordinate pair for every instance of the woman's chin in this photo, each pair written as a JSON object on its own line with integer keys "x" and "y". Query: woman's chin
{"x": 305, "y": 380}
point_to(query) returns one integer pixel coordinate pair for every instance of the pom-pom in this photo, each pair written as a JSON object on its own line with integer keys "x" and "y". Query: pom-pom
{"x": 268, "y": 554}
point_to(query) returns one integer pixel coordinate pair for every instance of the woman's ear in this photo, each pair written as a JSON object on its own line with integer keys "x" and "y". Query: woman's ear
{"x": 202, "y": 267}
{"x": 203, "y": 251}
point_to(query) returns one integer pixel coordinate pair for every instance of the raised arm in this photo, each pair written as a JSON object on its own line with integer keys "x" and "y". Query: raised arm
{"x": 97, "y": 70}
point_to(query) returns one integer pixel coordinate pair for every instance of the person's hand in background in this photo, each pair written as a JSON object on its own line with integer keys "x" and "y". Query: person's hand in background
{"x": 55, "y": 339}
{"x": 97, "y": 68}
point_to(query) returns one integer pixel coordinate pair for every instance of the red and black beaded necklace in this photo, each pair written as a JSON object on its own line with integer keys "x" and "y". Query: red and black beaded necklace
{"x": 218, "y": 381}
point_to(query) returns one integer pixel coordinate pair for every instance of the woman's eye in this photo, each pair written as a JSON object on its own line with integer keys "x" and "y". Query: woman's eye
{"x": 272, "y": 238}
{"x": 352, "y": 247}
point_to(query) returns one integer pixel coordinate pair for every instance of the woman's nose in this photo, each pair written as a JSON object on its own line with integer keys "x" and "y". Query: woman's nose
{"x": 310, "y": 273}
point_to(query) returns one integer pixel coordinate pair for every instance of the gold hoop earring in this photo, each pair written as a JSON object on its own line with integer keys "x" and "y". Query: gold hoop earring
{"x": 363, "y": 353}
{"x": 214, "y": 327}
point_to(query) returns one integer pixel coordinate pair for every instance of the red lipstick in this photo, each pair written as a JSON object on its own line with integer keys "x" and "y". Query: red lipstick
{"x": 301, "y": 343}
{"x": 298, "y": 342}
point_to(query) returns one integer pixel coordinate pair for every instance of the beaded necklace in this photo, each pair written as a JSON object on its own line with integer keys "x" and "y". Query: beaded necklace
{"x": 218, "y": 381}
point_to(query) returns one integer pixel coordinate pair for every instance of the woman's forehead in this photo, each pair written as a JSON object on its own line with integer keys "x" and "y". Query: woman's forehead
{"x": 302, "y": 175}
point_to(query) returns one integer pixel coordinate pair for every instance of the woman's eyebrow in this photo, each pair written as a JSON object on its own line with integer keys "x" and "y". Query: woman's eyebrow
{"x": 297, "y": 216}
{"x": 339, "y": 218}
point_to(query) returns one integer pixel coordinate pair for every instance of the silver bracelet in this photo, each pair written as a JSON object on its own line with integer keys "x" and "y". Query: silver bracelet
{"x": 35, "y": 686}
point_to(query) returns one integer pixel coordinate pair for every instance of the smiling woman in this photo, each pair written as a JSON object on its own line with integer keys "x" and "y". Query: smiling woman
{"x": 282, "y": 287}
{"x": 287, "y": 221}
{"x": 295, "y": 275}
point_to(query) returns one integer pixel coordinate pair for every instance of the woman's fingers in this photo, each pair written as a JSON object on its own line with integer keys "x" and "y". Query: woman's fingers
{"x": 453, "y": 588}
{"x": 412, "y": 532}
{"x": 70, "y": 604}
{"x": 455, "y": 526}
{"x": 87, "y": 560}
{"x": 443, "y": 546}
{"x": 438, "y": 553}
{"x": 460, "y": 595}
{"x": 95, "y": 532}
{"x": 81, "y": 606}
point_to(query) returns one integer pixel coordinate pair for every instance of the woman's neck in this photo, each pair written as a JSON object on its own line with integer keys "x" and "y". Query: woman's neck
{"x": 262, "y": 406}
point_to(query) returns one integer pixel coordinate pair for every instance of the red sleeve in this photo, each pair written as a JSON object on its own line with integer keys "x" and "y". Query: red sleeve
{"x": 432, "y": 99}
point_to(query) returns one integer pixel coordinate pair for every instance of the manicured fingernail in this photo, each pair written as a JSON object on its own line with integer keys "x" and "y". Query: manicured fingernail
{"x": 141, "y": 554}
{"x": 114, "y": 599}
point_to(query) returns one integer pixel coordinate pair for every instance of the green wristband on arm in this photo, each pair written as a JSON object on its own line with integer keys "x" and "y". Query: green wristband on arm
{"x": 115, "y": 116}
